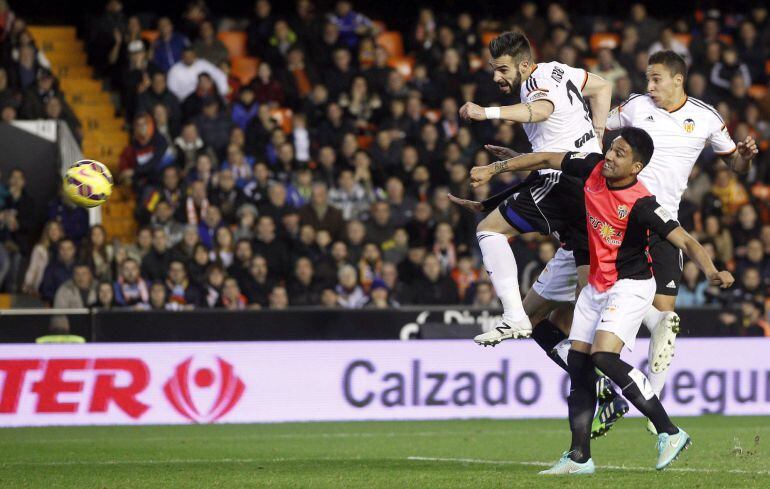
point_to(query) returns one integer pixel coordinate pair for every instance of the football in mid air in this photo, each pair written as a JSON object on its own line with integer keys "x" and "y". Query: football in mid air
{"x": 88, "y": 183}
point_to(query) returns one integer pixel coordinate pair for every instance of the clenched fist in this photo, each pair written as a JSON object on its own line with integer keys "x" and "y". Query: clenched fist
{"x": 472, "y": 112}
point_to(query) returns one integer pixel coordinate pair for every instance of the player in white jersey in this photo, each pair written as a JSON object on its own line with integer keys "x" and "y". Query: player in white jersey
{"x": 681, "y": 127}
{"x": 556, "y": 117}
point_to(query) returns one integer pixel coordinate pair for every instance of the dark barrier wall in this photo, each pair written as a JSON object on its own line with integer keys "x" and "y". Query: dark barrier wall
{"x": 37, "y": 157}
{"x": 295, "y": 324}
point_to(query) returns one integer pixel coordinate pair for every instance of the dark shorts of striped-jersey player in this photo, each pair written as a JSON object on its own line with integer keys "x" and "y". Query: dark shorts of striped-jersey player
{"x": 667, "y": 262}
{"x": 546, "y": 203}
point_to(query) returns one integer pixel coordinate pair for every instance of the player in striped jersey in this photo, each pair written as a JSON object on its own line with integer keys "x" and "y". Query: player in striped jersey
{"x": 681, "y": 126}
{"x": 554, "y": 111}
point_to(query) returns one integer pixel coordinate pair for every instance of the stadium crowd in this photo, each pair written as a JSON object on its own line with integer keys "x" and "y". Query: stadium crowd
{"x": 341, "y": 201}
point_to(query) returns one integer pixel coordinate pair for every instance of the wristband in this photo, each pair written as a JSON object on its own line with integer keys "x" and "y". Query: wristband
{"x": 492, "y": 112}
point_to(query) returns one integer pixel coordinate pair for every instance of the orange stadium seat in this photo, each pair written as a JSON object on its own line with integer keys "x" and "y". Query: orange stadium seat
{"x": 235, "y": 42}
{"x": 486, "y": 37}
{"x": 245, "y": 68}
{"x": 283, "y": 116}
{"x": 364, "y": 141}
{"x": 683, "y": 38}
{"x": 600, "y": 40}
{"x": 726, "y": 38}
{"x": 403, "y": 65}
{"x": 150, "y": 36}
{"x": 757, "y": 91}
{"x": 392, "y": 41}
{"x": 767, "y": 67}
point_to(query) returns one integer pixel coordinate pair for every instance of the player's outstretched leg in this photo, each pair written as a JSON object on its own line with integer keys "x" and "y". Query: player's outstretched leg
{"x": 663, "y": 326}
{"x": 636, "y": 387}
{"x": 581, "y": 402}
{"x": 503, "y": 272}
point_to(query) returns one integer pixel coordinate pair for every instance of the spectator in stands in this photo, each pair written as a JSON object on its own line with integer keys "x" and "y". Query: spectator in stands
{"x": 158, "y": 93}
{"x": 242, "y": 256}
{"x": 304, "y": 288}
{"x": 484, "y": 296}
{"x": 232, "y": 298}
{"x": 751, "y": 50}
{"x": 246, "y": 216}
{"x": 319, "y": 214}
{"x": 141, "y": 161}
{"x": 98, "y": 254}
{"x": 282, "y": 40}
{"x": 77, "y": 292}
{"x": 352, "y": 25}
{"x": 58, "y": 271}
{"x": 212, "y": 289}
{"x": 207, "y": 229}
{"x": 208, "y": 47}
{"x": 36, "y": 97}
{"x": 339, "y": 77}
{"x": 260, "y": 28}
{"x": 214, "y": 126}
{"x": 134, "y": 79}
{"x": 245, "y": 108}
{"x": 755, "y": 258}
{"x": 163, "y": 218}
{"x": 183, "y": 250}
{"x": 41, "y": 254}
{"x": 169, "y": 46}
{"x": 184, "y": 76}
{"x": 155, "y": 262}
{"x": 179, "y": 290}
{"x": 198, "y": 265}
{"x": 745, "y": 229}
{"x": 223, "y": 250}
{"x": 205, "y": 89}
{"x": 692, "y": 291}
{"x": 433, "y": 287}
{"x": 279, "y": 298}
{"x": 723, "y": 71}
{"x": 267, "y": 89}
{"x": 379, "y": 297}
{"x": 256, "y": 285}
{"x": 54, "y": 110}
{"x": 444, "y": 248}
{"x": 105, "y": 296}
{"x": 17, "y": 213}
{"x": 350, "y": 294}
{"x": 137, "y": 251}
{"x": 158, "y": 299}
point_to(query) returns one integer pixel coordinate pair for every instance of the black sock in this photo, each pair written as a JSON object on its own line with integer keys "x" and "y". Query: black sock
{"x": 582, "y": 403}
{"x": 547, "y": 335}
{"x": 641, "y": 396}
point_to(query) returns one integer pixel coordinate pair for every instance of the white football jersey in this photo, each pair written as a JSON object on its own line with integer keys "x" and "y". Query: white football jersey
{"x": 569, "y": 128}
{"x": 679, "y": 137}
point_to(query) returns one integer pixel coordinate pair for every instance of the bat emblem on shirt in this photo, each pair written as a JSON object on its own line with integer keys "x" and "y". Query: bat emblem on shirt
{"x": 622, "y": 211}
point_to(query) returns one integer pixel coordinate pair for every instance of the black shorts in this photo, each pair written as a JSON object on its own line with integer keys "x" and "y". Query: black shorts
{"x": 536, "y": 207}
{"x": 667, "y": 261}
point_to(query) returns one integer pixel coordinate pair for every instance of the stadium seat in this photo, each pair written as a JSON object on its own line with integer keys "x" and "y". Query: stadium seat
{"x": 600, "y": 40}
{"x": 757, "y": 91}
{"x": 245, "y": 68}
{"x": 392, "y": 41}
{"x": 150, "y": 36}
{"x": 403, "y": 65}
{"x": 235, "y": 42}
{"x": 486, "y": 37}
{"x": 683, "y": 38}
{"x": 364, "y": 141}
{"x": 283, "y": 116}
{"x": 726, "y": 38}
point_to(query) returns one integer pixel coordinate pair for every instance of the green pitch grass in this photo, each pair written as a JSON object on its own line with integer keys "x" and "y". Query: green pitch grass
{"x": 726, "y": 452}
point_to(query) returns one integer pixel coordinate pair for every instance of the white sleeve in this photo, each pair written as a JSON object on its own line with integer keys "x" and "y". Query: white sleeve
{"x": 719, "y": 138}
{"x": 622, "y": 115}
{"x": 539, "y": 89}
{"x": 174, "y": 83}
{"x": 219, "y": 77}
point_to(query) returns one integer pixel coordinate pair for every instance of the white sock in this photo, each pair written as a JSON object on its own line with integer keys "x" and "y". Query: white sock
{"x": 501, "y": 266}
{"x": 657, "y": 380}
{"x": 652, "y": 318}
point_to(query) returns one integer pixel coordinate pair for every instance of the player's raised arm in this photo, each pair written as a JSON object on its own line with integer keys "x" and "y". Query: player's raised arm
{"x": 529, "y": 112}
{"x": 685, "y": 242}
{"x": 532, "y": 161}
{"x": 598, "y": 91}
{"x": 740, "y": 159}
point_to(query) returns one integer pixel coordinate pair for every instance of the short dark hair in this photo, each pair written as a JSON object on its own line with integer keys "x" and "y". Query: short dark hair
{"x": 513, "y": 44}
{"x": 671, "y": 60}
{"x": 640, "y": 142}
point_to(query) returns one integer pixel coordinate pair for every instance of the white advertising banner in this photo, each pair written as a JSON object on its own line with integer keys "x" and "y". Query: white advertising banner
{"x": 252, "y": 382}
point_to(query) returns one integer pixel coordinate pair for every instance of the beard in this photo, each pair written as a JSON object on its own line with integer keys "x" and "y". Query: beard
{"x": 514, "y": 87}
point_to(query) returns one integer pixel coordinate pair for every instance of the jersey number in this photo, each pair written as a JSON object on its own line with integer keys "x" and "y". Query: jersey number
{"x": 572, "y": 88}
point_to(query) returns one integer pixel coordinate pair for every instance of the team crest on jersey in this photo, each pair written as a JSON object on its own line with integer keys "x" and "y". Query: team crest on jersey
{"x": 622, "y": 211}
{"x": 689, "y": 125}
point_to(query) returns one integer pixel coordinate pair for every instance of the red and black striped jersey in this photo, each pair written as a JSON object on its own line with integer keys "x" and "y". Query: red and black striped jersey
{"x": 618, "y": 222}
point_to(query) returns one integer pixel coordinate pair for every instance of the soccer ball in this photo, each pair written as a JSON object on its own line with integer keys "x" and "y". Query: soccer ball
{"x": 88, "y": 183}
